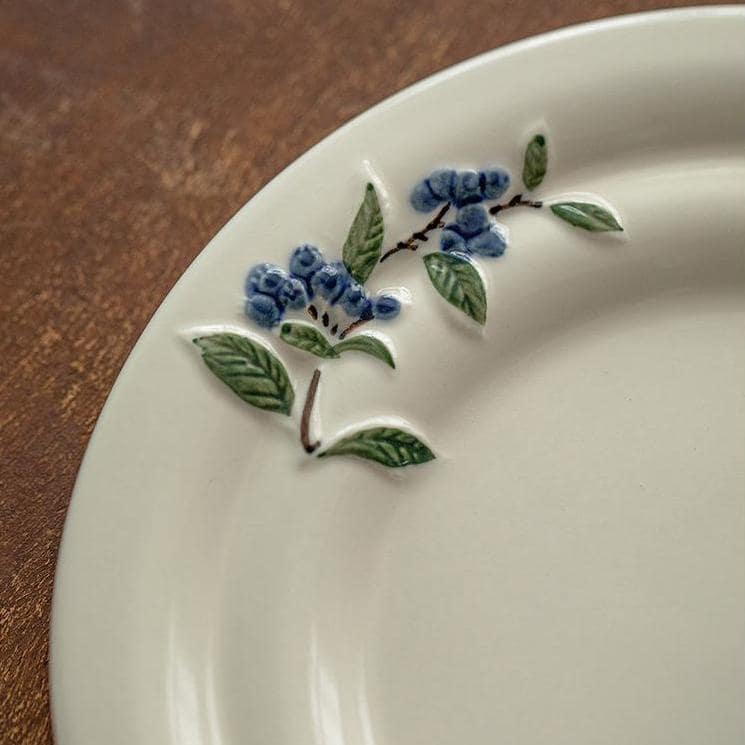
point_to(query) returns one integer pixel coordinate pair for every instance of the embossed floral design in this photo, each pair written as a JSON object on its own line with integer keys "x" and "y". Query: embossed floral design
{"x": 332, "y": 297}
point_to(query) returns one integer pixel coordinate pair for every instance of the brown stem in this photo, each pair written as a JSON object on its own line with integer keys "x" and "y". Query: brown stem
{"x": 310, "y": 398}
{"x": 412, "y": 242}
{"x": 352, "y": 326}
{"x": 516, "y": 201}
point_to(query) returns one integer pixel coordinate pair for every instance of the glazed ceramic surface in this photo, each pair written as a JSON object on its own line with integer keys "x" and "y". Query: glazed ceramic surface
{"x": 517, "y": 318}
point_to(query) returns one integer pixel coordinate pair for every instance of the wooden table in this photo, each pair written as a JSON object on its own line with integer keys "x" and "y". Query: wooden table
{"x": 129, "y": 133}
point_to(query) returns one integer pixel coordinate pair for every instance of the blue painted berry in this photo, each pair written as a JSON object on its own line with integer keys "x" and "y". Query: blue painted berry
{"x": 471, "y": 220}
{"x": 467, "y": 188}
{"x": 305, "y": 261}
{"x": 354, "y": 300}
{"x": 265, "y": 278}
{"x": 438, "y": 188}
{"x": 450, "y": 240}
{"x": 490, "y": 243}
{"x": 459, "y": 187}
{"x": 368, "y": 310}
{"x": 422, "y": 199}
{"x": 386, "y": 307}
{"x": 254, "y": 277}
{"x": 494, "y": 182}
{"x": 293, "y": 294}
{"x": 263, "y": 309}
{"x": 330, "y": 281}
{"x": 442, "y": 184}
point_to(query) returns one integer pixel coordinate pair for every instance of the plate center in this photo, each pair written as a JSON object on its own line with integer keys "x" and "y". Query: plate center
{"x": 589, "y": 583}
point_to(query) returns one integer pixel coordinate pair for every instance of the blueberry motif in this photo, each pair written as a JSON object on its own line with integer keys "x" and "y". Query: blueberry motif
{"x": 267, "y": 279}
{"x": 472, "y": 233}
{"x": 422, "y": 199}
{"x": 270, "y": 290}
{"x": 305, "y": 261}
{"x": 330, "y": 281}
{"x": 491, "y": 243}
{"x": 354, "y": 300}
{"x": 293, "y": 294}
{"x": 494, "y": 182}
{"x": 437, "y": 189}
{"x": 472, "y": 220}
{"x": 386, "y": 307}
{"x": 368, "y": 312}
{"x": 263, "y": 309}
{"x": 255, "y": 276}
{"x": 450, "y": 240}
{"x": 459, "y": 187}
{"x": 467, "y": 188}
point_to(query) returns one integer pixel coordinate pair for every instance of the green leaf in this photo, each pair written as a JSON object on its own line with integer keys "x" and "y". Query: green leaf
{"x": 368, "y": 344}
{"x": 249, "y": 369}
{"x": 458, "y": 281}
{"x": 585, "y": 215}
{"x": 536, "y": 162}
{"x": 387, "y": 445}
{"x": 309, "y": 339}
{"x": 362, "y": 248}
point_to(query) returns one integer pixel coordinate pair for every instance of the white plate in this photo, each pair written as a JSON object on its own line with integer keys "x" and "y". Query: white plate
{"x": 571, "y": 566}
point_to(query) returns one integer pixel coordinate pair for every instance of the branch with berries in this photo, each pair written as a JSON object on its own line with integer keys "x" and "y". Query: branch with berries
{"x": 319, "y": 306}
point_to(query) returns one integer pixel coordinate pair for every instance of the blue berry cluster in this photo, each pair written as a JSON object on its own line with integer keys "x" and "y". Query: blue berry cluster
{"x": 472, "y": 232}
{"x": 459, "y": 187}
{"x": 271, "y": 291}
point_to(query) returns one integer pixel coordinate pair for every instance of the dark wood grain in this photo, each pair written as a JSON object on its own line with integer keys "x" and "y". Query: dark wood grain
{"x": 129, "y": 133}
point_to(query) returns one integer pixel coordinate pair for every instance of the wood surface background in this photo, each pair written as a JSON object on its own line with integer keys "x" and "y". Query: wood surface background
{"x": 129, "y": 133}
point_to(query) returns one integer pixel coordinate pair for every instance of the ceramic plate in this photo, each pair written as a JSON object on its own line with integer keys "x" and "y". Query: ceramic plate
{"x": 440, "y": 440}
